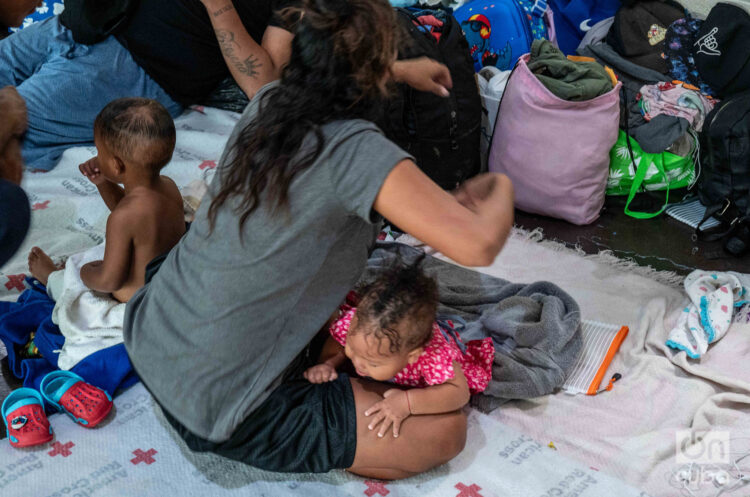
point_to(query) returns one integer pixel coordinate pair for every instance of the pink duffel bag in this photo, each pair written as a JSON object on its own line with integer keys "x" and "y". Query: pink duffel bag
{"x": 555, "y": 151}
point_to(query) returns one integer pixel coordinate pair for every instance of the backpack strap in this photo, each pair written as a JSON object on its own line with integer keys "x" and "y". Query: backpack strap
{"x": 724, "y": 229}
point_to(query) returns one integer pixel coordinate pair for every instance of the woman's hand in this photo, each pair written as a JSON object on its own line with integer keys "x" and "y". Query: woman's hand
{"x": 423, "y": 74}
{"x": 392, "y": 410}
{"x": 321, "y": 373}
{"x": 478, "y": 216}
{"x": 472, "y": 192}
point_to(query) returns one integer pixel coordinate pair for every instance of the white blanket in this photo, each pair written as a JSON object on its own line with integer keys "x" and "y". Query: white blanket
{"x": 90, "y": 321}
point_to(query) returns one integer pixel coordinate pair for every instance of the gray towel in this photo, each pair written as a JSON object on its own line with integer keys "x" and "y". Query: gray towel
{"x": 535, "y": 328}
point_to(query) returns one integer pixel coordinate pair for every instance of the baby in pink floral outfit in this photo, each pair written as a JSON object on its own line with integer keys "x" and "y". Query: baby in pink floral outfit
{"x": 390, "y": 334}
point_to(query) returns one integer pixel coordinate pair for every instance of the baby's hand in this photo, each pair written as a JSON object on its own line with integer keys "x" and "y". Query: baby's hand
{"x": 393, "y": 409}
{"x": 321, "y": 373}
{"x": 90, "y": 169}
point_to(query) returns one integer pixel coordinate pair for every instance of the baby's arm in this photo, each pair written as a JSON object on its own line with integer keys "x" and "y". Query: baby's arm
{"x": 397, "y": 405}
{"x": 331, "y": 359}
{"x": 111, "y": 193}
{"x": 109, "y": 274}
{"x": 446, "y": 397}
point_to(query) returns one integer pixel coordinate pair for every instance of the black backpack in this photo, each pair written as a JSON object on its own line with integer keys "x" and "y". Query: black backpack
{"x": 442, "y": 133}
{"x": 722, "y": 50}
{"x": 724, "y": 186}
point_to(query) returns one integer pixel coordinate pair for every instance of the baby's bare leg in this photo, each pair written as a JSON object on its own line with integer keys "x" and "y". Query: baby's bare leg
{"x": 424, "y": 443}
{"x": 40, "y": 265}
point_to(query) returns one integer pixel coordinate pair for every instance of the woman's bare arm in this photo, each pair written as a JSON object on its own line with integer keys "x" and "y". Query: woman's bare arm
{"x": 470, "y": 226}
{"x": 252, "y": 65}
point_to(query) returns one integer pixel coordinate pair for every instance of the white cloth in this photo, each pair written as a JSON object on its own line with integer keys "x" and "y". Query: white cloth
{"x": 90, "y": 321}
{"x": 492, "y": 83}
{"x": 713, "y": 298}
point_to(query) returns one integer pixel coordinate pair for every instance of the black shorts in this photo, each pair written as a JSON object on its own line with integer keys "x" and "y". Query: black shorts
{"x": 300, "y": 428}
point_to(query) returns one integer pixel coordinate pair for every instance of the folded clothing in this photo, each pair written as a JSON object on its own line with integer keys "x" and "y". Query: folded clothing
{"x": 567, "y": 79}
{"x": 655, "y": 135}
{"x": 675, "y": 99}
{"x": 90, "y": 321}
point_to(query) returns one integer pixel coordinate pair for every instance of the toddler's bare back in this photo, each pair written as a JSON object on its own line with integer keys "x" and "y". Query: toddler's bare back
{"x": 158, "y": 223}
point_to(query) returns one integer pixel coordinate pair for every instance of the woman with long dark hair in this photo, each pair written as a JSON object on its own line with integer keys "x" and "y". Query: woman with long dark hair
{"x": 223, "y": 331}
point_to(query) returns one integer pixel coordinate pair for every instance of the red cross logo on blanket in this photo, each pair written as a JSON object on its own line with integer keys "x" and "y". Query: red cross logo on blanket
{"x": 470, "y": 491}
{"x": 40, "y": 206}
{"x": 141, "y": 456}
{"x": 15, "y": 281}
{"x": 62, "y": 449}
{"x": 375, "y": 487}
{"x": 207, "y": 164}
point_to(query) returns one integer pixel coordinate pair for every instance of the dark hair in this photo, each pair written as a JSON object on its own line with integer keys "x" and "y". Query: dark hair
{"x": 341, "y": 56}
{"x": 404, "y": 297}
{"x": 138, "y": 130}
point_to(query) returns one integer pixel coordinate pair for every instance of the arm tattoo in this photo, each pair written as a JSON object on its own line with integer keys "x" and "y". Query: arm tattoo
{"x": 225, "y": 8}
{"x": 249, "y": 66}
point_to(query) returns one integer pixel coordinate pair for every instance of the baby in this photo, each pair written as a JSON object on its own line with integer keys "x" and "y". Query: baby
{"x": 390, "y": 334}
{"x": 134, "y": 138}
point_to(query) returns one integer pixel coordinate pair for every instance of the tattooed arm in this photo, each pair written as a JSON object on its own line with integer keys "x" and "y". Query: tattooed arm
{"x": 252, "y": 65}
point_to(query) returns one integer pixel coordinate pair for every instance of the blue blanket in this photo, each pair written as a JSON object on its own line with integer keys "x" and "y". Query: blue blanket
{"x": 109, "y": 369}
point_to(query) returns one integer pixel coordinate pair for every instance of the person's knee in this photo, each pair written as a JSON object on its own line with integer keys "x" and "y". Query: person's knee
{"x": 455, "y": 443}
{"x": 447, "y": 447}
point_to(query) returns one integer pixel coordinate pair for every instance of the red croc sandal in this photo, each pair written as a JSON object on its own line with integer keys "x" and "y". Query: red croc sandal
{"x": 24, "y": 418}
{"x": 86, "y": 404}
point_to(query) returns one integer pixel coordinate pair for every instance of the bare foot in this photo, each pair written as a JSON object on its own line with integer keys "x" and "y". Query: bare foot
{"x": 40, "y": 265}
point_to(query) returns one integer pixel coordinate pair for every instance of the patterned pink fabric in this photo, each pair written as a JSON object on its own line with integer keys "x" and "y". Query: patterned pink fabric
{"x": 435, "y": 365}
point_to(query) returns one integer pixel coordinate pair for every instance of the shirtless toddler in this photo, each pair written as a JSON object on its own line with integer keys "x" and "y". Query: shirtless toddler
{"x": 134, "y": 138}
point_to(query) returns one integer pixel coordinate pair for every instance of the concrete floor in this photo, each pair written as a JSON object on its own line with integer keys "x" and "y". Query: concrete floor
{"x": 662, "y": 243}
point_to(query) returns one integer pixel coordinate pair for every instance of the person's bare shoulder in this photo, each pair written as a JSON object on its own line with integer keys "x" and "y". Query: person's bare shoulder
{"x": 169, "y": 189}
{"x": 154, "y": 206}
{"x": 135, "y": 204}
{"x": 128, "y": 209}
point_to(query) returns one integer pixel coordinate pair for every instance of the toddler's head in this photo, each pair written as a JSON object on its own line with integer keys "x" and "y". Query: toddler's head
{"x": 393, "y": 321}
{"x": 134, "y": 133}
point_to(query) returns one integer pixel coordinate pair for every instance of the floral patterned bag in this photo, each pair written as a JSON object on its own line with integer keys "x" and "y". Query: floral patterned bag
{"x": 631, "y": 171}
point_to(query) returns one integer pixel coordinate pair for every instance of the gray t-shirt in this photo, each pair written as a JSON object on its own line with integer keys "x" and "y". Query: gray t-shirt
{"x": 221, "y": 320}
